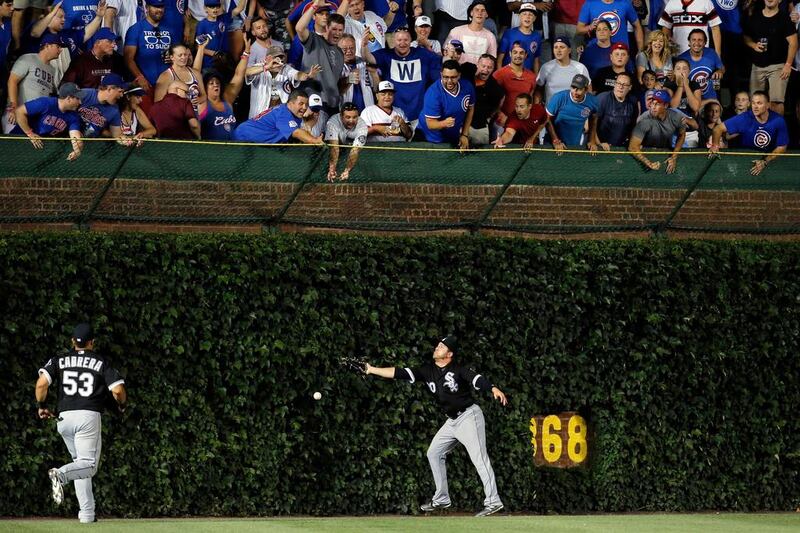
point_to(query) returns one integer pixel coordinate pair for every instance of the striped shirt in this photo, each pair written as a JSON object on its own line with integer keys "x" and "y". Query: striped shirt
{"x": 683, "y": 18}
{"x": 455, "y": 8}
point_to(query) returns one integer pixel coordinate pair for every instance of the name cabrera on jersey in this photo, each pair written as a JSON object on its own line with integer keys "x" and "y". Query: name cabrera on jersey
{"x": 84, "y": 379}
{"x": 450, "y": 385}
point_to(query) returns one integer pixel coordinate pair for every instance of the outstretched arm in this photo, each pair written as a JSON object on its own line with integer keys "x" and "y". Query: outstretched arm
{"x": 385, "y": 372}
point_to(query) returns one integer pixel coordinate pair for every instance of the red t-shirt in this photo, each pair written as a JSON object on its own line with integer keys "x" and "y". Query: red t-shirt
{"x": 514, "y": 86}
{"x": 566, "y": 11}
{"x": 171, "y": 117}
{"x": 525, "y": 128}
{"x": 86, "y": 70}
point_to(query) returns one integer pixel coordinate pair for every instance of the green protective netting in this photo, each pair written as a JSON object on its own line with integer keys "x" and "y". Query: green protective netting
{"x": 394, "y": 187}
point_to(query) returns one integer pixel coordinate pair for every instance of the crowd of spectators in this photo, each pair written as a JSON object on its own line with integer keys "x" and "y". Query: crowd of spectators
{"x": 574, "y": 74}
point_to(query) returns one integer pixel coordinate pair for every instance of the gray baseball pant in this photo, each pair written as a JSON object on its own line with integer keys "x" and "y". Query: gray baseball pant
{"x": 470, "y": 430}
{"x": 82, "y": 435}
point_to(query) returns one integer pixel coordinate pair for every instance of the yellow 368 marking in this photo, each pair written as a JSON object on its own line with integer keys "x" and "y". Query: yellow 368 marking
{"x": 552, "y": 433}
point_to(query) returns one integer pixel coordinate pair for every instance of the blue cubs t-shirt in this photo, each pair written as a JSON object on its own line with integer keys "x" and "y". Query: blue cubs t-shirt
{"x": 174, "y": 13}
{"x": 441, "y": 104}
{"x": 219, "y": 40}
{"x": 728, "y": 11}
{"x": 78, "y": 13}
{"x": 47, "y": 120}
{"x": 701, "y": 70}
{"x": 752, "y": 134}
{"x": 274, "y": 127}
{"x": 5, "y": 40}
{"x": 618, "y": 14}
{"x": 96, "y": 116}
{"x": 532, "y": 44}
{"x": 217, "y": 125}
{"x": 569, "y": 116}
{"x": 150, "y": 42}
{"x": 381, "y": 8}
{"x": 411, "y": 75}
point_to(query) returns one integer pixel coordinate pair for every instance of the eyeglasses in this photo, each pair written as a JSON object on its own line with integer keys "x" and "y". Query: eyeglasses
{"x": 620, "y": 84}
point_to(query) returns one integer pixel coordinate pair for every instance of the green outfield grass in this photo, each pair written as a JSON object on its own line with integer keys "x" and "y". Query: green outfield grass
{"x": 649, "y": 523}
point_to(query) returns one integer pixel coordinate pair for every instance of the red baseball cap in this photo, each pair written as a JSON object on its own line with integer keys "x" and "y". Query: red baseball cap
{"x": 620, "y": 46}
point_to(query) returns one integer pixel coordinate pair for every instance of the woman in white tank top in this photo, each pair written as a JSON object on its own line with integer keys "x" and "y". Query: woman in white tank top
{"x": 182, "y": 70}
{"x": 133, "y": 121}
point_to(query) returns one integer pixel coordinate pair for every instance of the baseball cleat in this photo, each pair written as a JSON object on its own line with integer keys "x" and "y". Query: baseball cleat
{"x": 489, "y": 509}
{"x": 430, "y": 506}
{"x": 55, "y": 484}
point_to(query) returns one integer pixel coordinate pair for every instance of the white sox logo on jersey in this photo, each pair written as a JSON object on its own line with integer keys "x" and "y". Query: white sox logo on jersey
{"x": 450, "y": 382}
{"x": 762, "y": 138}
{"x": 613, "y": 20}
{"x": 688, "y": 19}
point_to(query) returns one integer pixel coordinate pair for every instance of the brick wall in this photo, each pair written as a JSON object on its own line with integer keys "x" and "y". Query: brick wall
{"x": 530, "y": 210}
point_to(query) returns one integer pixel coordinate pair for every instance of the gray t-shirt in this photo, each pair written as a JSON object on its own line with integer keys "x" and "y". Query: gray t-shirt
{"x": 258, "y": 54}
{"x": 317, "y": 51}
{"x": 656, "y": 133}
{"x": 38, "y": 79}
{"x": 335, "y": 131}
{"x": 556, "y": 78}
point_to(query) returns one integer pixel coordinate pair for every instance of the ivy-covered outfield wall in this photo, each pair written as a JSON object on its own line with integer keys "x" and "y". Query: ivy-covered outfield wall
{"x": 682, "y": 357}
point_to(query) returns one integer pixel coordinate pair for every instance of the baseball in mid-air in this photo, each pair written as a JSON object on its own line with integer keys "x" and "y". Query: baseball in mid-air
{"x": 317, "y": 395}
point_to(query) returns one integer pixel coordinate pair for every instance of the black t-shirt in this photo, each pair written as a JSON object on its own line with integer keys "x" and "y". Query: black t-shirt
{"x": 683, "y": 107}
{"x": 487, "y": 101}
{"x": 451, "y": 385}
{"x": 605, "y": 78}
{"x": 775, "y": 29}
{"x": 84, "y": 379}
{"x": 615, "y": 120}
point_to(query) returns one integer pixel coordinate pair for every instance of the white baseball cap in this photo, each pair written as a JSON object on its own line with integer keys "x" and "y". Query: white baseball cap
{"x": 315, "y": 102}
{"x": 527, "y": 6}
{"x": 385, "y": 86}
{"x": 422, "y": 20}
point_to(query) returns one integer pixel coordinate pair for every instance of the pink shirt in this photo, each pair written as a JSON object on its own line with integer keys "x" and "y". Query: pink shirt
{"x": 475, "y": 43}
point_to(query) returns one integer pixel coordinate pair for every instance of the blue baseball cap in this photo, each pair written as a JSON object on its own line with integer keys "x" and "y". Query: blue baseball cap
{"x": 51, "y": 38}
{"x": 114, "y": 80}
{"x": 212, "y": 3}
{"x": 661, "y": 96}
{"x": 69, "y": 89}
{"x": 155, "y": 3}
{"x": 105, "y": 33}
{"x": 562, "y": 39}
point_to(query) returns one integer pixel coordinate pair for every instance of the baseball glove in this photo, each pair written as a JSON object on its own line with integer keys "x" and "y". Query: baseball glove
{"x": 354, "y": 364}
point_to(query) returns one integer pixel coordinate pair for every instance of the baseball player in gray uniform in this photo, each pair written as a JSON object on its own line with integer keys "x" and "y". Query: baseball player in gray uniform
{"x": 83, "y": 379}
{"x": 450, "y": 384}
